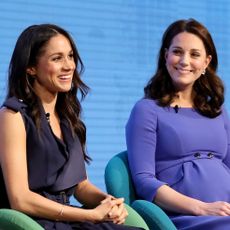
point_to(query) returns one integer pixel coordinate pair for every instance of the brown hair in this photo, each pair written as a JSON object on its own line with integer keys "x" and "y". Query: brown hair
{"x": 208, "y": 90}
{"x": 29, "y": 47}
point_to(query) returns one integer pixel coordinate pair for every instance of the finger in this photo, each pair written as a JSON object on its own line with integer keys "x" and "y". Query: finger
{"x": 112, "y": 197}
{"x": 114, "y": 212}
{"x": 108, "y": 198}
{"x": 122, "y": 217}
{"x": 121, "y": 222}
{"x": 121, "y": 210}
{"x": 118, "y": 201}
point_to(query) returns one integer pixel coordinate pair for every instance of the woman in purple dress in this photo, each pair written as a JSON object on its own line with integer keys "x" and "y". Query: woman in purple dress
{"x": 178, "y": 135}
{"x": 42, "y": 138}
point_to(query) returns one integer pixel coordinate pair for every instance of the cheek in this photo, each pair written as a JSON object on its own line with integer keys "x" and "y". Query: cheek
{"x": 50, "y": 70}
{"x": 200, "y": 66}
{"x": 74, "y": 65}
{"x": 171, "y": 60}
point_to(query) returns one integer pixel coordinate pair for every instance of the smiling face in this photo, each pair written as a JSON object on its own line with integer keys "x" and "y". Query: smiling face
{"x": 186, "y": 60}
{"x": 55, "y": 67}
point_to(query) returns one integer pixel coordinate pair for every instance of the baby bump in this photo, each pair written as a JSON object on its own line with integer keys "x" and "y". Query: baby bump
{"x": 206, "y": 179}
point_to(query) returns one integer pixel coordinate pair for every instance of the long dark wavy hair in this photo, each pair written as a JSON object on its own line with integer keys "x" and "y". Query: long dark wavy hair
{"x": 30, "y": 45}
{"x": 208, "y": 90}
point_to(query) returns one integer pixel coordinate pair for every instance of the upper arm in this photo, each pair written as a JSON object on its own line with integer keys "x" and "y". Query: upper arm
{"x": 227, "y": 128}
{"x": 13, "y": 153}
{"x": 141, "y": 138}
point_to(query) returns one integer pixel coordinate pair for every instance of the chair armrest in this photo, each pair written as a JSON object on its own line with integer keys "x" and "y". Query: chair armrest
{"x": 14, "y": 220}
{"x": 134, "y": 219}
{"x": 153, "y": 215}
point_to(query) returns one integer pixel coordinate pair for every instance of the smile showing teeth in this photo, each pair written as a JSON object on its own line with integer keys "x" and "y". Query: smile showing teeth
{"x": 183, "y": 70}
{"x": 65, "y": 77}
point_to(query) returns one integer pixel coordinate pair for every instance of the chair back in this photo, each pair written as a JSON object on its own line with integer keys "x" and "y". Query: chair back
{"x": 118, "y": 179}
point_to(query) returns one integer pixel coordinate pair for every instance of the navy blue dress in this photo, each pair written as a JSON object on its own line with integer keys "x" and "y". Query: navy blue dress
{"x": 55, "y": 167}
{"x": 185, "y": 150}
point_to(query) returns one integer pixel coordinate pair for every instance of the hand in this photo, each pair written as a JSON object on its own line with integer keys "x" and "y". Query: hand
{"x": 103, "y": 212}
{"x": 118, "y": 214}
{"x": 218, "y": 208}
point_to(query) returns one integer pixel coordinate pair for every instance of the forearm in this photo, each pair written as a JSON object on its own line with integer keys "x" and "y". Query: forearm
{"x": 36, "y": 205}
{"x": 171, "y": 200}
{"x": 88, "y": 194}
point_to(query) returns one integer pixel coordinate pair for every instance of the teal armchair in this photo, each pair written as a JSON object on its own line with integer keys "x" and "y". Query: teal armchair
{"x": 119, "y": 184}
{"x": 14, "y": 220}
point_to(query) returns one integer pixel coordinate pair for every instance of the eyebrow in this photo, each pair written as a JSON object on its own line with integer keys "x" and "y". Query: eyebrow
{"x": 178, "y": 47}
{"x": 59, "y": 53}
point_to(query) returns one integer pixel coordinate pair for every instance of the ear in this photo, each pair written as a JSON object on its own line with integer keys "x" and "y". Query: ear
{"x": 208, "y": 60}
{"x": 166, "y": 53}
{"x": 31, "y": 71}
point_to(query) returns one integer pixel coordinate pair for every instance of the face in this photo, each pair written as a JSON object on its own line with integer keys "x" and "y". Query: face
{"x": 186, "y": 60}
{"x": 55, "y": 67}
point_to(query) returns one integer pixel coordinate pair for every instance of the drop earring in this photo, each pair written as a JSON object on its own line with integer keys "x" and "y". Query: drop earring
{"x": 203, "y": 73}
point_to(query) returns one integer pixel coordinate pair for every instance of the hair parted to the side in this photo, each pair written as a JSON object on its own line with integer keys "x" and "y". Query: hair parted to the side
{"x": 29, "y": 47}
{"x": 208, "y": 90}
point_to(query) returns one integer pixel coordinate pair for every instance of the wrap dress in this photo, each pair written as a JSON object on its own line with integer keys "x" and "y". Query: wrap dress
{"x": 55, "y": 167}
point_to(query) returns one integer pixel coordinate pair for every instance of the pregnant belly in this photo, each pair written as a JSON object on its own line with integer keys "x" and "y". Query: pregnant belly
{"x": 204, "y": 179}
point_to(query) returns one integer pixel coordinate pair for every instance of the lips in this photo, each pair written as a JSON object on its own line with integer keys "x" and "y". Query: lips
{"x": 181, "y": 70}
{"x": 65, "y": 77}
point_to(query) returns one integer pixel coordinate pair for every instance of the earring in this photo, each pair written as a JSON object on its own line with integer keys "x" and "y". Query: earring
{"x": 203, "y": 73}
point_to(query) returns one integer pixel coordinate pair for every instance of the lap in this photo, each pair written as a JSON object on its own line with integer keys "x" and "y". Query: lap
{"x": 102, "y": 226}
{"x": 51, "y": 225}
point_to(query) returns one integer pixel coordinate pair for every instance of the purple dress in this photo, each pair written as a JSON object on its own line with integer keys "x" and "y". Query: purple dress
{"x": 185, "y": 150}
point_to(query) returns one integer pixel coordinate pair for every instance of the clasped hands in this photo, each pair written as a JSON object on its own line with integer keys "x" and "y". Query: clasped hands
{"x": 112, "y": 209}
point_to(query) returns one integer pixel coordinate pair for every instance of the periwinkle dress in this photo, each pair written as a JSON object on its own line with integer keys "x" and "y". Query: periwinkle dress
{"x": 185, "y": 150}
{"x": 55, "y": 167}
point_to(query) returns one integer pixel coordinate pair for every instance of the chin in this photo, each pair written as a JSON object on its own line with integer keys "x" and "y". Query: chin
{"x": 64, "y": 90}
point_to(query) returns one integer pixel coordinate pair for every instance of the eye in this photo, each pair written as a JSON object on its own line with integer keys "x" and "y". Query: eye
{"x": 177, "y": 51}
{"x": 71, "y": 56}
{"x": 56, "y": 58}
{"x": 195, "y": 54}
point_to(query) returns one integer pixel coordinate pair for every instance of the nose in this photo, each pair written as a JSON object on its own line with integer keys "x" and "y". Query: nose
{"x": 68, "y": 64}
{"x": 184, "y": 59}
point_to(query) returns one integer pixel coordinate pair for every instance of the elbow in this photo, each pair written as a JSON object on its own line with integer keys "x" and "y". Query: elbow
{"x": 146, "y": 187}
{"x": 19, "y": 203}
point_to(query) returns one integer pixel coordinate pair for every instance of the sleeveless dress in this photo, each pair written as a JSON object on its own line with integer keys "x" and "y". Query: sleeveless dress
{"x": 185, "y": 150}
{"x": 55, "y": 167}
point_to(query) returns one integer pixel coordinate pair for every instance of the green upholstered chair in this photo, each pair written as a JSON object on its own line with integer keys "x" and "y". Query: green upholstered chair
{"x": 14, "y": 220}
{"x": 119, "y": 184}
{"x": 134, "y": 219}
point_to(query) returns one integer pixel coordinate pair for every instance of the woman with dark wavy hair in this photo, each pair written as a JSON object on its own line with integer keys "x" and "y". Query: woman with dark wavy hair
{"x": 178, "y": 135}
{"x": 42, "y": 137}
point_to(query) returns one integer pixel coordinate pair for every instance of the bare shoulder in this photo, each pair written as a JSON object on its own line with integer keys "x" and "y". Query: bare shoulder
{"x": 10, "y": 119}
{"x": 7, "y": 113}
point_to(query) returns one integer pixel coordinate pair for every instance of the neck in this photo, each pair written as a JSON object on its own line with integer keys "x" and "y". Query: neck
{"x": 49, "y": 107}
{"x": 48, "y": 103}
{"x": 183, "y": 100}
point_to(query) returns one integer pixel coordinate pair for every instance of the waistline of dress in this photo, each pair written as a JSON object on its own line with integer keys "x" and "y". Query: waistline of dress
{"x": 62, "y": 197}
{"x": 192, "y": 156}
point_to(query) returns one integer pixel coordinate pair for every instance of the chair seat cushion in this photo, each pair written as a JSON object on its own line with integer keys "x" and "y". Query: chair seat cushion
{"x": 15, "y": 220}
